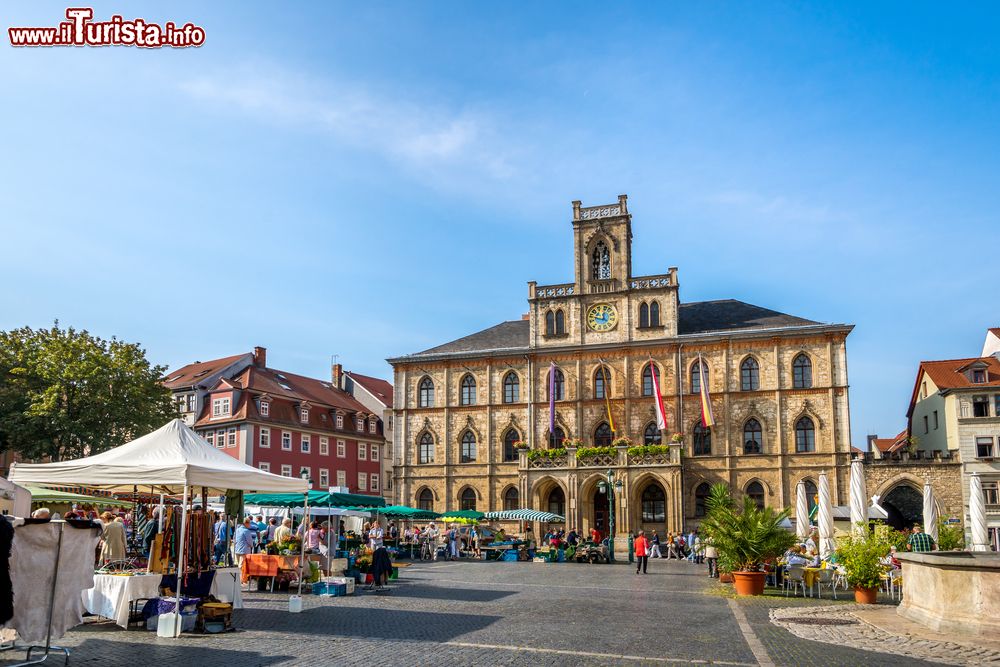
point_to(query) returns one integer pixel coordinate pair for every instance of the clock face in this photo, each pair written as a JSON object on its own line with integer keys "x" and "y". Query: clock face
{"x": 602, "y": 317}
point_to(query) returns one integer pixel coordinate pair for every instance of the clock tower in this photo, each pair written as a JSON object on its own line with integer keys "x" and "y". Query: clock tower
{"x": 605, "y": 303}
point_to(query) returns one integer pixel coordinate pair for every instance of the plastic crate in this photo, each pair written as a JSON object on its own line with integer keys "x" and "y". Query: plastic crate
{"x": 335, "y": 590}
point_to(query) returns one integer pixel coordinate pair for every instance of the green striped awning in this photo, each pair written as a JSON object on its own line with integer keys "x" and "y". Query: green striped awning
{"x": 526, "y": 515}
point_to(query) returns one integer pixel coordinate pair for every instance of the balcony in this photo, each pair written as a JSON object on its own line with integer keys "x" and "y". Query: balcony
{"x": 553, "y": 291}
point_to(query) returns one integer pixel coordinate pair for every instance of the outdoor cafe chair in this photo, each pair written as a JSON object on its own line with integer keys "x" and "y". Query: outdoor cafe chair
{"x": 893, "y": 582}
{"x": 795, "y": 577}
{"x": 826, "y": 577}
{"x": 841, "y": 577}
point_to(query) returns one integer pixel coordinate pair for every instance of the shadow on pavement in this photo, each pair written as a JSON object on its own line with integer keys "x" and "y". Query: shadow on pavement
{"x": 179, "y": 651}
{"x": 457, "y": 594}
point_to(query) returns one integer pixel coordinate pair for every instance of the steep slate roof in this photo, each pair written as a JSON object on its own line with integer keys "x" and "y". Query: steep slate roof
{"x": 732, "y": 315}
{"x": 188, "y": 376}
{"x": 695, "y": 318}
{"x": 506, "y": 335}
{"x": 377, "y": 387}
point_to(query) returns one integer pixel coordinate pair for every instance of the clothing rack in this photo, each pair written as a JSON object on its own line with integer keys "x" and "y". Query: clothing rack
{"x": 48, "y": 648}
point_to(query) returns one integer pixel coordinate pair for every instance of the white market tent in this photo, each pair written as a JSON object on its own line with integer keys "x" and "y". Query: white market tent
{"x": 170, "y": 458}
{"x": 173, "y": 458}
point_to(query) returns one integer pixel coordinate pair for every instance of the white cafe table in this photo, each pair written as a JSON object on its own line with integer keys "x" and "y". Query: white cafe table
{"x": 112, "y": 593}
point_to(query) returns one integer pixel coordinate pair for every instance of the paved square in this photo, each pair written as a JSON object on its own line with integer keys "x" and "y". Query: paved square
{"x": 472, "y": 613}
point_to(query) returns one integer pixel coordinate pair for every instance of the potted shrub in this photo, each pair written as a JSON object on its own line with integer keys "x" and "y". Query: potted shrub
{"x": 677, "y": 438}
{"x": 520, "y": 444}
{"x": 745, "y": 536}
{"x": 622, "y": 441}
{"x": 860, "y": 556}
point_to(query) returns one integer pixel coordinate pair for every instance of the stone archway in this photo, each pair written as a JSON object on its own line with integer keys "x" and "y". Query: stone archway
{"x": 649, "y": 507}
{"x": 593, "y": 505}
{"x": 905, "y": 506}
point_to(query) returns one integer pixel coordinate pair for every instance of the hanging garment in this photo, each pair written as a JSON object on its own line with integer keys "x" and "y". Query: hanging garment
{"x": 36, "y": 560}
{"x": 6, "y": 594}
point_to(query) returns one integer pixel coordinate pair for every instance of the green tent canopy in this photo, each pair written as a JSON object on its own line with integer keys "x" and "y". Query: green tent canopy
{"x": 316, "y": 499}
{"x": 404, "y": 512}
{"x": 464, "y": 515}
{"x": 42, "y": 495}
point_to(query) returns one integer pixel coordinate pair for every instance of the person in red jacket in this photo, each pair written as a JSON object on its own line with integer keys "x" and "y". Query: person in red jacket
{"x": 641, "y": 552}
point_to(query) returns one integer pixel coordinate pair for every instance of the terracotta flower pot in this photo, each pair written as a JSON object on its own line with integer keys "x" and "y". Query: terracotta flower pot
{"x": 749, "y": 583}
{"x": 725, "y": 577}
{"x": 865, "y": 595}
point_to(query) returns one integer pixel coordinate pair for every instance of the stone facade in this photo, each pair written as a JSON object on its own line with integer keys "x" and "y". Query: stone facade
{"x": 882, "y": 476}
{"x": 724, "y": 334}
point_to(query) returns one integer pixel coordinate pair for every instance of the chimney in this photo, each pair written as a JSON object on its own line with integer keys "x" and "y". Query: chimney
{"x": 526, "y": 316}
{"x": 260, "y": 357}
{"x": 336, "y": 372}
{"x": 871, "y": 443}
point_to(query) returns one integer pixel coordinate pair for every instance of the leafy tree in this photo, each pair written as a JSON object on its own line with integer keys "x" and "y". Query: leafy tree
{"x": 65, "y": 393}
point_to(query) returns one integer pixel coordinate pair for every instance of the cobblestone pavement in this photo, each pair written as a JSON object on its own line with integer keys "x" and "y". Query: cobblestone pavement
{"x": 473, "y": 613}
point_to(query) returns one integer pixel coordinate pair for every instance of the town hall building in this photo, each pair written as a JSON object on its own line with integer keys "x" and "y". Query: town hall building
{"x": 473, "y": 427}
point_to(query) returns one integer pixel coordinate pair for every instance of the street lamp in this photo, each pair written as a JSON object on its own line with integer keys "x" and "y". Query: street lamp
{"x": 611, "y": 487}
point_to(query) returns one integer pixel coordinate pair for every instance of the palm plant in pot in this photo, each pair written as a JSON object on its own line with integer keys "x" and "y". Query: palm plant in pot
{"x": 746, "y": 536}
{"x": 860, "y": 555}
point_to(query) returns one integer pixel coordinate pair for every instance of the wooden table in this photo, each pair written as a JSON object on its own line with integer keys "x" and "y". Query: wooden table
{"x": 267, "y": 565}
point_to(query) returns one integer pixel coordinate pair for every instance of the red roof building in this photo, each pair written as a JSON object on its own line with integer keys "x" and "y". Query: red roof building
{"x": 284, "y": 423}
{"x": 376, "y": 394}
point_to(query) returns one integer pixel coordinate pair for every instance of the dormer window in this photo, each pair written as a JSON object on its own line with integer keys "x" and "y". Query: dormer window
{"x": 361, "y": 423}
{"x": 304, "y": 415}
{"x": 372, "y": 425}
{"x": 221, "y": 407}
{"x": 340, "y": 421}
{"x": 978, "y": 376}
{"x": 265, "y": 408}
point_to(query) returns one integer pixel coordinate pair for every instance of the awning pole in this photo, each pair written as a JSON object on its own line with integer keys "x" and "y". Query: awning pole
{"x": 180, "y": 564}
{"x": 305, "y": 530}
{"x": 160, "y": 518}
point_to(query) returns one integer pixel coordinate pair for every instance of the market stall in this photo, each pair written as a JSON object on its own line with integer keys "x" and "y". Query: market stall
{"x": 172, "y": 459}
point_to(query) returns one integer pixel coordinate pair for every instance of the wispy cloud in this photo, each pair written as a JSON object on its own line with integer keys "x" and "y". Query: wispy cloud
{"x": 425, "y": 137}
{"x": 776, "y": 208}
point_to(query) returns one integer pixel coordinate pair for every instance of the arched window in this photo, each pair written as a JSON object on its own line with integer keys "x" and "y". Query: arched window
{"x": 643, "y": 315}
{"x": 603, "y": 435}
{"x": 511, "y": 388}
{"x": 647, "y": 378}
{"x": 425, "y": 394}
{"x": 805, "y": 435}
{"x": 425, "y": 500}
{"x": 802, "y": 372}
{"x": 467, "y": 395}
{"x": 560, "y": 323}
{"x": 468, "y": 499}
{"x": 550, "y": 323}
{"x": 557, "y": 501}
{"x": 425, "y": 451}
{"x": 701, "y": 499}
{"x": 468, "y": 447}
{"x": 556, "y": 438}
{"x": 755, "y": 491}
{"x": 697, "y": 374}
{"x": 653, "y": 504}
{"x": 652, "y": 435}
{"x": 601, "y": 262}
{"x": 749, "y": 375}
{"x": 654, "y": 313}
{"x": 509, "y": 451}
{"x": 558, "y": 383}
{"x": 511, "y": 499}
{"x": 752, "y": 437}
{"x": 602, "y": 382}
{"x": 811, "y": 494}
{"x": 702, "y": 440}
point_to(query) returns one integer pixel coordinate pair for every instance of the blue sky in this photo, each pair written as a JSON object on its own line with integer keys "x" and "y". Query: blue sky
{"x": 368, "y": 179}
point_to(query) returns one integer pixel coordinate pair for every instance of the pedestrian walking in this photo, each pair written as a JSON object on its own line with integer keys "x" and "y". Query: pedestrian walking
{"x": 243, "y": 541}
{"x": 641, "y": 552}
{"x": 712, "y": 558}
{"x": 654, "y": 546}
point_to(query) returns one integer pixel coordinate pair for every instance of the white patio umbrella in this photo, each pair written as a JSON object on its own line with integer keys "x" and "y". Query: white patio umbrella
{"x": 801, "y": 512}
{"x": 859, "y": 498}
{"x": 825, "y": 516}
{"x": 930, "y": 513}
{"x": 977, "y": 515}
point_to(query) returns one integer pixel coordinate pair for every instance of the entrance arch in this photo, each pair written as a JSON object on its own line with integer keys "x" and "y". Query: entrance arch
{"x": 649, "y": 511}
{"x": 904, "y": 505}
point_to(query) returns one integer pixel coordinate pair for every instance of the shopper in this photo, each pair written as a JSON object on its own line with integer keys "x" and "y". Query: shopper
{"x": 112, "y": 539}
{"x": 712, "y": 558}
{"x": 654, "y": 546}
{"x": 243, "y": 541}
{"x": 641, "y": 552}
{"x": 284, "y": 531}
{"x": 221, "y": 536}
